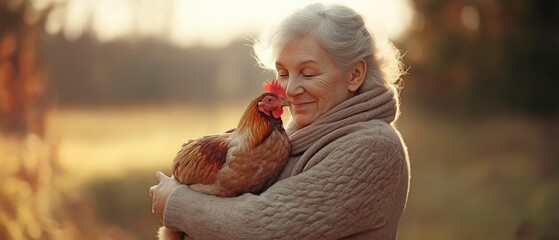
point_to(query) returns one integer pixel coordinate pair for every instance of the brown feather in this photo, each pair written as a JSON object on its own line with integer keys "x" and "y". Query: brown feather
{"x": 246, "y": 159}
{"x": 200, "y": 159}
{"x": 255, "y": 122}
{"x": 242, "y": 160}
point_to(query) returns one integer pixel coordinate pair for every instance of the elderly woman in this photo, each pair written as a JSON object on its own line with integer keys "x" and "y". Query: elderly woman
{"x": 348, "y": 172}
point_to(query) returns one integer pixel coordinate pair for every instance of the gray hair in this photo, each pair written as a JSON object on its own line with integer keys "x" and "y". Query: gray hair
{"x": 343, "y": 33}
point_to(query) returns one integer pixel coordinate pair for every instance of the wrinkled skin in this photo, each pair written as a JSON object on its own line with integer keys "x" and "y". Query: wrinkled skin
{"x": 314, "y": 82}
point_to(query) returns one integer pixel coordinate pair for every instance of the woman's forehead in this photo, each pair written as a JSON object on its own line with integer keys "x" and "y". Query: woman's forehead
{"x": 304, "y": 50}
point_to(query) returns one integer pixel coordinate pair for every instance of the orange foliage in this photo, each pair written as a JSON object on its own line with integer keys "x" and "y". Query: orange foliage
{"x": 37, "y": 200}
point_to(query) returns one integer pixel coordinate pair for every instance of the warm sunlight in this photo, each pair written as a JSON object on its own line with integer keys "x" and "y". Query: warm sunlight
{"x": 211, "y": 23}
{"x": 98, "y": 95}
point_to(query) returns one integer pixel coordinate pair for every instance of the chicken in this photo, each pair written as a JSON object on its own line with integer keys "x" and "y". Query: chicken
{"x": 242, "y": 160}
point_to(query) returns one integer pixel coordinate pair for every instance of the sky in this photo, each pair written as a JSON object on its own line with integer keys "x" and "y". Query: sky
{"x": 191, "y": 22}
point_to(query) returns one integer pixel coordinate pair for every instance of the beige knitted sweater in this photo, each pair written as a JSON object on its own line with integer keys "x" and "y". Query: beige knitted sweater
{"x": 347, "y": 177}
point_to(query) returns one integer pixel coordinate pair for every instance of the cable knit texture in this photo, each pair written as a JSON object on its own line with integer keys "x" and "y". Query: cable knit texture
{"x": 347, "y": 177}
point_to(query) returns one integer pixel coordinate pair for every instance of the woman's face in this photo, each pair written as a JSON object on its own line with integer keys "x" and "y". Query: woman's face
{"x": 314, "y": 83}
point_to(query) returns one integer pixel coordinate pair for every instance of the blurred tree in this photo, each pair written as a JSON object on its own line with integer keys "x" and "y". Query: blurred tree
{"x": 22, "y": 82}
{"x": 32, "y": 204}
{"x": 483, "y": 57}
{"x": 140, "y": 70}
{"x": 486, "y": 55}
{"x": 478, "y": 56}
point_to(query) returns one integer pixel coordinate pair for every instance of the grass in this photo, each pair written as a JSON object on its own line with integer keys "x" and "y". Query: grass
{"x": 476, "y": 178}
{"x": 110, "y": 142}
{"x": 113, "y": 153}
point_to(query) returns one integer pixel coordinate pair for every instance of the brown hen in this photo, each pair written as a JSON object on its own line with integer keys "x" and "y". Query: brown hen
{"x": 245, "y": 159}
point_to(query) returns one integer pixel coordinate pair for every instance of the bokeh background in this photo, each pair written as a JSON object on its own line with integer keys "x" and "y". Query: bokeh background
{"x": 96, "y": 95}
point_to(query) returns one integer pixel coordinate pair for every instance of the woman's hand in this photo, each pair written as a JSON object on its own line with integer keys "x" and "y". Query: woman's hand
{"x": 161, "y": 192}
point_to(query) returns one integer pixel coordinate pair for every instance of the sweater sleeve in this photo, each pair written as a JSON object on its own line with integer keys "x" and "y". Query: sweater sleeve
{"x": 348, "y": 192}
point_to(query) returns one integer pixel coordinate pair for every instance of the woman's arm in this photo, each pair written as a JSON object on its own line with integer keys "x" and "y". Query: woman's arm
{"x": 348, "y": 192}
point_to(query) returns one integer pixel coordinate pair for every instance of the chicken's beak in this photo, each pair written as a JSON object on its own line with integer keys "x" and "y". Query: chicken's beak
{"x": 284, "y": 102}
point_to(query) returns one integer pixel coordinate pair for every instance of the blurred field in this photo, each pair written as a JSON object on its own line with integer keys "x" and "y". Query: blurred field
{"x": 477, "y": 178}
{"x": 471, "y": 179}
{"x": 110, "y": 141}
{"x": 112, "y": 154}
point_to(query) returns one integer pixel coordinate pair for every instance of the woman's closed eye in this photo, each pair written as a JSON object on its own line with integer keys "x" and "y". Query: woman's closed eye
{"x": 308, "y": 75}
{"x": 308, "y": 72}
{"x": 282, "y": 74}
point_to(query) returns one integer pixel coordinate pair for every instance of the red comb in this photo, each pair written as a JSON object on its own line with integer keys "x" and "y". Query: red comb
{"x": 274, "y": 87}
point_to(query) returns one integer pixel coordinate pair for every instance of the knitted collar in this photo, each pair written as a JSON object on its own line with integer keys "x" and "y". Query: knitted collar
{"x": 377, "y": 103}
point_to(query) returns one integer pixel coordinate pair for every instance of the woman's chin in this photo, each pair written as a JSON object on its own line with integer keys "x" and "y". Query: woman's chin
{"x": 301, "y": 121}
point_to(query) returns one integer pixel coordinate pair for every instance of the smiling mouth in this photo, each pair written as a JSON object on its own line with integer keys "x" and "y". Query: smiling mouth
{"x": 298, "y": 105}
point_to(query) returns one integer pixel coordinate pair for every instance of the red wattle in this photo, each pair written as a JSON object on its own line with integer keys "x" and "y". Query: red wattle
{"x": 277, "y": 113}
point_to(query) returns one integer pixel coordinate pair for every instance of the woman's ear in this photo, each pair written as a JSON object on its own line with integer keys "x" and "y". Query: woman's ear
{"x": 357, "y": 72}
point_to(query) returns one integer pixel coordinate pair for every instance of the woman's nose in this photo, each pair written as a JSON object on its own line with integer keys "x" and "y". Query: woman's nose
{"x": 294, "y": 87}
